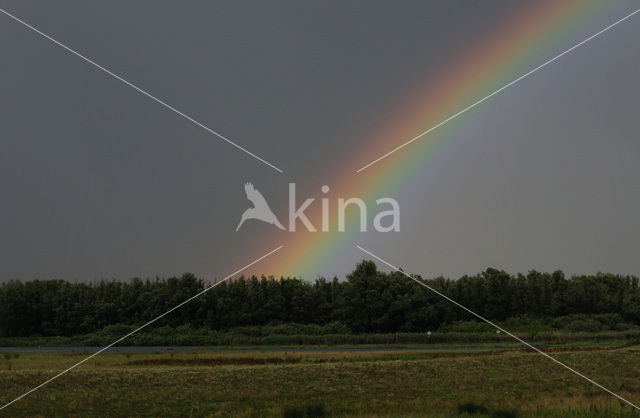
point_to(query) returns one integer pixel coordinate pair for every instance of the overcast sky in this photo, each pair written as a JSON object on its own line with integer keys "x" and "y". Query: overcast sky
{"x": 99, "y": 181}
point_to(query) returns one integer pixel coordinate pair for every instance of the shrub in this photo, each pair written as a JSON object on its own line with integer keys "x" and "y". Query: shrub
{"x": 315, "y": 410}
{"x": 292, "y": 412}
{"x": 504, "y": 413}
{"x": 585, "y": 325}
{"x": 472, "y": 408}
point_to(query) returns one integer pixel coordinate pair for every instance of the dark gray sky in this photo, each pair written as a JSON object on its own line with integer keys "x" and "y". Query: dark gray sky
{"x": 98, "y": 180}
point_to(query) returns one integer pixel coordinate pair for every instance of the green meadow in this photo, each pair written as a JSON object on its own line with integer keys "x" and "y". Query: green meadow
{"x": 336, "y": 382}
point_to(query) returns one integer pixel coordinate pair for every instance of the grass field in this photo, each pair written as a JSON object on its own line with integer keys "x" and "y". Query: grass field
{"x": 333, "y": 383}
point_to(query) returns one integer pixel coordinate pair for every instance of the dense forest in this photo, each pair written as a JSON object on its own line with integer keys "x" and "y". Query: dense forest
{"x": 368, "y": 301}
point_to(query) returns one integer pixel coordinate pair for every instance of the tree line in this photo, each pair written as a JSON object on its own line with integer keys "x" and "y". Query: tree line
{"x": 368, "y": 301}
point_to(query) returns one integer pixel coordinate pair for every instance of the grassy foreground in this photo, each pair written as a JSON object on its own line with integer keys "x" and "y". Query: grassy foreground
{"x": 380, "y": 383}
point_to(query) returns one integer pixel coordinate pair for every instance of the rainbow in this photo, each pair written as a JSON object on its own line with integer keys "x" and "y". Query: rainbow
{"x": 486, "y": 65}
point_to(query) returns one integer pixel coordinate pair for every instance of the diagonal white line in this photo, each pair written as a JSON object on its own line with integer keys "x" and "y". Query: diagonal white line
{"x": 497, "y": 327}
{"x": 141, "y": 91}
{"x": 497, "y": 91}
{"x": 139, "y": 328}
